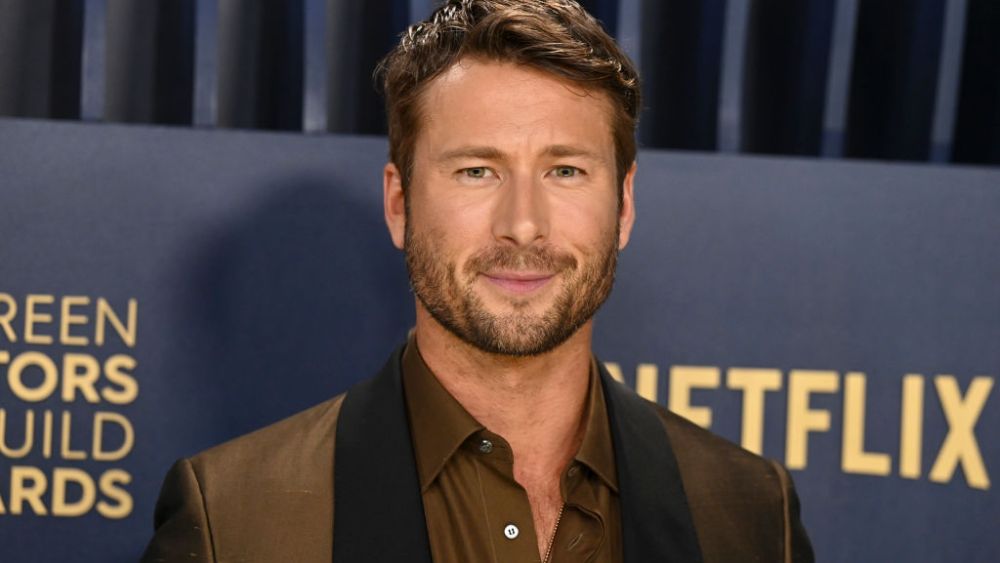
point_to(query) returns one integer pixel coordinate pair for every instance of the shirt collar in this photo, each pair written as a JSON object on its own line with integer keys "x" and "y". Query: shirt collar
{"x": 597, "y": 450}
{"x": 439, "y": 424}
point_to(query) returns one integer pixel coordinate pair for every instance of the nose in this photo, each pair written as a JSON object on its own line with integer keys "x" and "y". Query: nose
{"x": 521, "y": 214}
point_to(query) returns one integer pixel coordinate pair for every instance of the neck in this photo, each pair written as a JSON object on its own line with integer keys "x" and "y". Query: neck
{"x": 536, "y": 403}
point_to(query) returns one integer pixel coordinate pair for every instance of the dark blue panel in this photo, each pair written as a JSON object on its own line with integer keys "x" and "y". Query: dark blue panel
{"x": 266, "y": 282}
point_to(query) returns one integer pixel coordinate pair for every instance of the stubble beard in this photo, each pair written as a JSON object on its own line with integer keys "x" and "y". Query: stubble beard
{"x": 449, "y": 296}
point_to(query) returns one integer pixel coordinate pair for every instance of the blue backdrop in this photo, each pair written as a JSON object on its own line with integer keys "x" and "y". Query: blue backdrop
{"x": 163, "y": 290}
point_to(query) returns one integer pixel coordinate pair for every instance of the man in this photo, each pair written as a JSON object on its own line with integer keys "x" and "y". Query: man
{"x": 493, "y": 435}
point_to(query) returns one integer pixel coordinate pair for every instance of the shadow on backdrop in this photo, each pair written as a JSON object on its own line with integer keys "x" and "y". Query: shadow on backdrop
{"x": 292, "y": 302}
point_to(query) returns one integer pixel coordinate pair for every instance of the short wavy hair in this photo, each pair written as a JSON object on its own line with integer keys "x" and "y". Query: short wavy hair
{"x": 556, "y": 36}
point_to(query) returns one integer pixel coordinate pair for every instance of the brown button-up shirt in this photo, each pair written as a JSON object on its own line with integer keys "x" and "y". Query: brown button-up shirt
{"x": 476, "y": 512}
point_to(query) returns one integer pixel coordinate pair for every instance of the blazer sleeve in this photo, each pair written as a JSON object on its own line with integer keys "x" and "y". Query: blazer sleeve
{"x": 798, "y": 548}
{"x": 180, "y": 520}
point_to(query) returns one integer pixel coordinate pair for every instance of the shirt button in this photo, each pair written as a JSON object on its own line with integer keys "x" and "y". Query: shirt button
{"x": 486, "y": 447}
{"x": 511, "y": 532}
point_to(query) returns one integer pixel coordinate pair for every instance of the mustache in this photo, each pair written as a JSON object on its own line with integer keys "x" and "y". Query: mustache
{"x": 540, "y": 258}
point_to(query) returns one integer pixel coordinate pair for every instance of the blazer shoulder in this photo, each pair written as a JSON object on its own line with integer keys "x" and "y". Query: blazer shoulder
{"x": 265, "y": 496}
{"x": 268, "y": 495}
{"x": 699, "y": 450}
{"x": 744, "y": 506}
{"x": 297, "y": 438}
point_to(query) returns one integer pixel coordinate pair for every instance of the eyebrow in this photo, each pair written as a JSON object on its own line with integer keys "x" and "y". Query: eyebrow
{"x": 570, "y": 150}
{"x": 492, "y": 153}
{"x": 483, "y": 152}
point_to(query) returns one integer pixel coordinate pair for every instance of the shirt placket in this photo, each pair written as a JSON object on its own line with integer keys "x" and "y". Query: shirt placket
{"x": 510, "y": 527}
{"x": 581, "y": 531}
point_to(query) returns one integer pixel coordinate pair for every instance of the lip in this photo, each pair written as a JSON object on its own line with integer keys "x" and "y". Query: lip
{"x": 518, "y": 282}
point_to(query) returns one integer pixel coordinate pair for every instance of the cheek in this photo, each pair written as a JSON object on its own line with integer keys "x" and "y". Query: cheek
{"x": 451, "y": 212}
{"x": 451, "y": 232}
{"x": 586, "y": 225}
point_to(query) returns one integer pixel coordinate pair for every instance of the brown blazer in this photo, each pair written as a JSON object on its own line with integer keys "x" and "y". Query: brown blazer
{"x": 269, "y": 496}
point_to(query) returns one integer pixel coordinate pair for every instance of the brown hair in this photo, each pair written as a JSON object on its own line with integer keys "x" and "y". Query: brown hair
{"x": 556, "y": 36}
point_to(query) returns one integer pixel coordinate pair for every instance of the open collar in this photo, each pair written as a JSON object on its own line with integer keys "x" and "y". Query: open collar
{"x": 378, "y": 506}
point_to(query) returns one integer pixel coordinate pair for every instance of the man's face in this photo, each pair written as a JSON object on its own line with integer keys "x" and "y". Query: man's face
{"x": 511, "y": 225}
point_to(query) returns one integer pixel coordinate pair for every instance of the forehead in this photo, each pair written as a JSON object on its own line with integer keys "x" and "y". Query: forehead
{"x": 506, "y": 104}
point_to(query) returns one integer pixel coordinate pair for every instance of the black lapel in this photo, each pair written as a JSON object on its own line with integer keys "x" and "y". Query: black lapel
{"x": 656, "y": 521}
{"x": 378, "y": 510}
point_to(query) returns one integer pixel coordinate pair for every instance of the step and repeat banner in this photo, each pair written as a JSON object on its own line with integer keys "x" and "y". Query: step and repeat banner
{"x": 163, "y": 290}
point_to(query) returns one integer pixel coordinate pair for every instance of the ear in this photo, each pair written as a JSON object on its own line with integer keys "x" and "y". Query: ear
{"x": 394, "y": 204}
{"x": 627, "y": 215}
